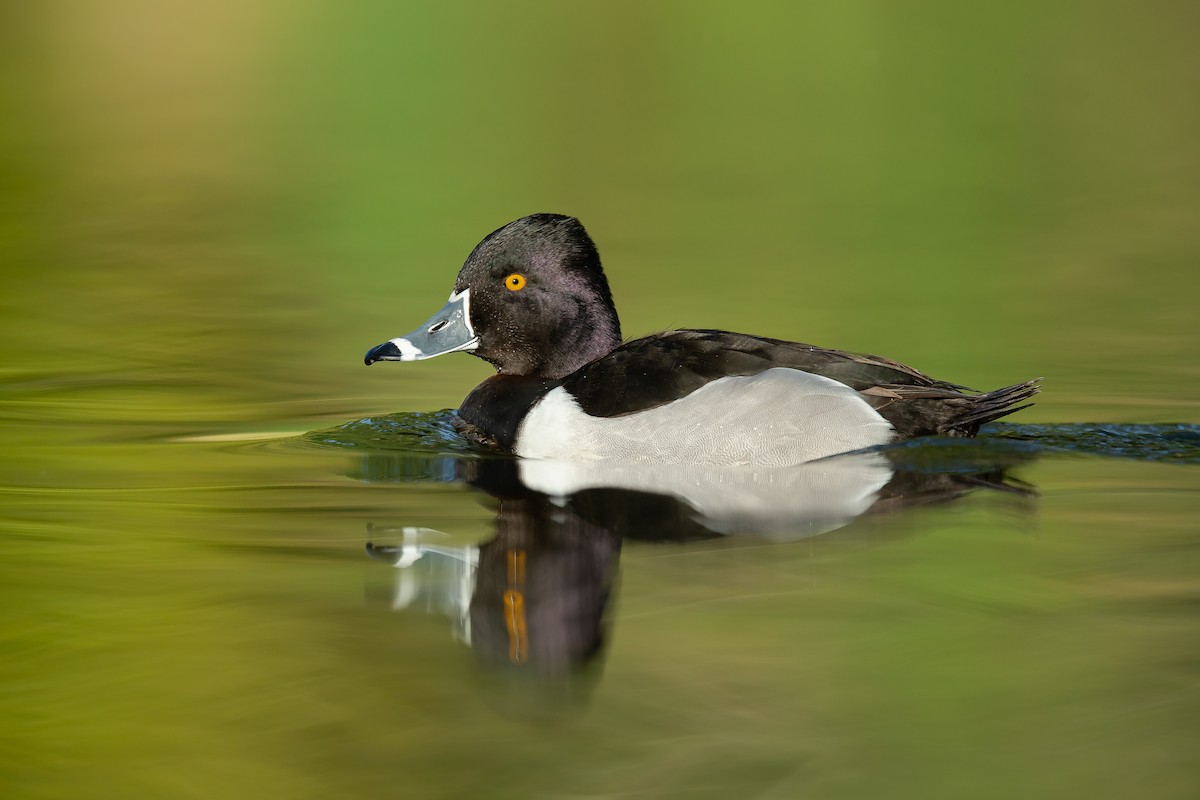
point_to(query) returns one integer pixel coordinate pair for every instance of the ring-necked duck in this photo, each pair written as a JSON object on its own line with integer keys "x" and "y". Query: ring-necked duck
{"x": 533, "y": 301}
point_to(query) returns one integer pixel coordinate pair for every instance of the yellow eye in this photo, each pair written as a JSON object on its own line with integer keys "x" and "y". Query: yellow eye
{"x": 515, "y": 282}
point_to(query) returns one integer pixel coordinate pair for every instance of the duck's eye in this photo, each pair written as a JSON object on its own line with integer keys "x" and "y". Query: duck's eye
{"x": 515, "y": 282}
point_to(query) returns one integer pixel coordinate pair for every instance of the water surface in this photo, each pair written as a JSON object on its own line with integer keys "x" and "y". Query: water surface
{"x": 237, "y": 563}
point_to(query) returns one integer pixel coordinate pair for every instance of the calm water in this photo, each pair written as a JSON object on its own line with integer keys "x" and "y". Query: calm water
{"x": 236, "y": 563}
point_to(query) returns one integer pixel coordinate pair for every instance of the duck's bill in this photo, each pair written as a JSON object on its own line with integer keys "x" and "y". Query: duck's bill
{"x": 447, "y": 331}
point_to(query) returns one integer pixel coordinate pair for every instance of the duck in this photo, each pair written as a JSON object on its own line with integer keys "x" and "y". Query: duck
{"x": 533, "y": 301}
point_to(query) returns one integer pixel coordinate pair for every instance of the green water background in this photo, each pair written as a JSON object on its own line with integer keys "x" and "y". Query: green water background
{"x": 209, "y": 211}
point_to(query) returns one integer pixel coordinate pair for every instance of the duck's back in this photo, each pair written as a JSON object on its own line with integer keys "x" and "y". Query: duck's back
{"x": 716, "y": 397}
{"x": 661, "y": 368}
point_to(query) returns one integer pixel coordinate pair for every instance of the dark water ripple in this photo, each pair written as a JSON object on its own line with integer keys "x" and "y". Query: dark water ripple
{"x": 1179, "y": 443}
{"x": 432, "y": 433}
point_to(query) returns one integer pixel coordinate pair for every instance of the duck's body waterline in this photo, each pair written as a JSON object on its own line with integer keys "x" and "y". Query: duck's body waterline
{"x": 532, "y": 299}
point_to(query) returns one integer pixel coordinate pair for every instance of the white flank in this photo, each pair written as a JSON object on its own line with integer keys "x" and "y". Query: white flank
{"x": 777, "y": 418}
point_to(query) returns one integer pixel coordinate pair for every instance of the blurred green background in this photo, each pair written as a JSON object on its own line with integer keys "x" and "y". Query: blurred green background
{"x": 252, "y": 194}
{"x": 209, "y": 211}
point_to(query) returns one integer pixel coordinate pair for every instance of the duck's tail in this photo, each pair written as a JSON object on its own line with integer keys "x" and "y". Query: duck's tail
{"x": 991, "y": 406}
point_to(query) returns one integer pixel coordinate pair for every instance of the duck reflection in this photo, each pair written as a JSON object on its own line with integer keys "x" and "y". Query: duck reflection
{"x": 531, "y": 598}
{"x": 534, "y": 597}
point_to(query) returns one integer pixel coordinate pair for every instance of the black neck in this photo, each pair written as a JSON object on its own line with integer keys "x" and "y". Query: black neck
{"x": 499, "y": 404}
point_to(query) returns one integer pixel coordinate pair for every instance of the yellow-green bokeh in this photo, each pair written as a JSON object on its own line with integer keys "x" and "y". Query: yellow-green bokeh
{"x": 209, "y": 211}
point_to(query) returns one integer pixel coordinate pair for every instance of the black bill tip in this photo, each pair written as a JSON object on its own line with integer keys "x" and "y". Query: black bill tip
{"x": 384, "y": 352}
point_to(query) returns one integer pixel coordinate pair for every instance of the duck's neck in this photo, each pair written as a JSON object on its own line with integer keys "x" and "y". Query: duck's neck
{"x": 579, "y": 344}
{"x": 497, "y": 406}
{"x": 555, "y": 352}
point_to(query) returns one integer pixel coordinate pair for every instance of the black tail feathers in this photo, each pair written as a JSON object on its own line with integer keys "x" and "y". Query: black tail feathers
{"x": 993, "y": 405}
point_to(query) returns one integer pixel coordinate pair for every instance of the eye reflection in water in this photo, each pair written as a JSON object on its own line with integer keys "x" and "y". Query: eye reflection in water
{"x": 532, "y": 600}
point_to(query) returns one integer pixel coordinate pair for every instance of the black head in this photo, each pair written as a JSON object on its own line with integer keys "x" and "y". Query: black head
{"x": 539, "y": 301}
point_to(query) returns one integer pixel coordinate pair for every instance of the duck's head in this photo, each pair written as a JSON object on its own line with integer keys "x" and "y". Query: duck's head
{"x": 531, "y": 299}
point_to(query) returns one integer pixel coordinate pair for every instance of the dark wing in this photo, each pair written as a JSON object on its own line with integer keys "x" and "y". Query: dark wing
{"x": 653, "y": 371}
{"x": 663, "y": 367}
